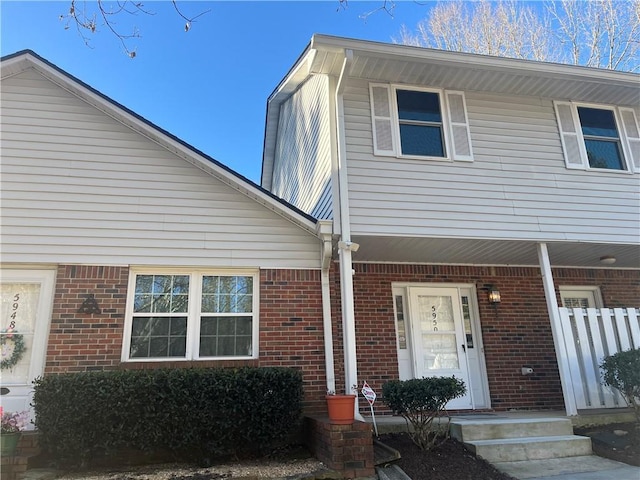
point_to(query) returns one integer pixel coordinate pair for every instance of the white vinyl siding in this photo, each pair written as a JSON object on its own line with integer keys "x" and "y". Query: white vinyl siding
{"x": 302, "y": 164}
{"x": 573, "y": 138}
{"x": 385, "y": 122}
{"x": 517, "y": 188}
{"x": 81, "y": 187}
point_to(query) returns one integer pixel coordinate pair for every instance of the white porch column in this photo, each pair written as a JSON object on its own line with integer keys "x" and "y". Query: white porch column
{"x": 346, "y": 247}
{"x": 348, "y": 321}
{"x": 556, "y": 329}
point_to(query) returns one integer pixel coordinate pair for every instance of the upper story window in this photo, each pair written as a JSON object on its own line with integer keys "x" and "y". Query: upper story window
{"x": 599, "y": 137}
{"x": 419, "y": 123}
{"x": 191, "y": 315}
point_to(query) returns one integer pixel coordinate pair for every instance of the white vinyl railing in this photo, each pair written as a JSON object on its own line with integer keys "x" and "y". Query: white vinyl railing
{"x": 590, "y": 335}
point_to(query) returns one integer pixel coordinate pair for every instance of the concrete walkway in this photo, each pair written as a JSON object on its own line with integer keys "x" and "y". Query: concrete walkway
{"x": 583, "y": 467}
{"x": 589, "y": 467}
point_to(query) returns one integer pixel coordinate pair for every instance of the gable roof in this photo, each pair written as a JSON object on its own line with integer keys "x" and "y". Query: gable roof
{"x": 396, "y": 63}
{"x": 20, "y": 61}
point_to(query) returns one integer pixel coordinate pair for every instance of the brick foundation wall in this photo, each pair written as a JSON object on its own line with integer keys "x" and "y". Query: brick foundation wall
{"x": 12, "y": 467}
{"x": 515, "y": 334}
{"x": 345, "y": 448}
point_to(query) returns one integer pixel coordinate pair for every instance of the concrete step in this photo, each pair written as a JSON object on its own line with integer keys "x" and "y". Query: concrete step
{"x": 574, "y": 468}
{"x": 530, "y": 448}
{"x": 391, "y": 472}
{"x": 486, "y": 429}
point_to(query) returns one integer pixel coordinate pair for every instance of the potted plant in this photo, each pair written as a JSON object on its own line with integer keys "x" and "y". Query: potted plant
{"x": 11, "y": 426}
{"x": 341, "y": 408}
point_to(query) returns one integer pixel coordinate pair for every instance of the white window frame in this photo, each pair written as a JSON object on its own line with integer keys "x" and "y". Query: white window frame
{"x": 627, "y": 134}
{"x": 393, "y": 119}
{"x": 581, "y": 290}
{"x": 193, "y": 313}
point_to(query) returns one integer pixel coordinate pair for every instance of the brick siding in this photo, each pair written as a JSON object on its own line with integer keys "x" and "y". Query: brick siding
{"x": 515, "y": 333}
{"x": 291, "y": 328}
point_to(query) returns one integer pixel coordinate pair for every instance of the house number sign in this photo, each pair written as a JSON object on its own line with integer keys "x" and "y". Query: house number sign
{"x": 434, "y": 316}
{"x": 12, "y": 345}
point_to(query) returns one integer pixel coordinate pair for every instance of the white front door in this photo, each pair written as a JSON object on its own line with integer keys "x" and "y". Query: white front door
{"x": 27, "y": 298}
{"x": 439, "y": 341}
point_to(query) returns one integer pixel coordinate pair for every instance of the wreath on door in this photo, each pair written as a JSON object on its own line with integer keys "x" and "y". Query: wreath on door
{"x": 12, "y": 348}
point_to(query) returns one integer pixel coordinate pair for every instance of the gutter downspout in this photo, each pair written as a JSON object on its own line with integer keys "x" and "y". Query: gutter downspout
{"x": 556, "y": 330}
{"x": 345, "y": 245}
{"x": 324, "y": 232}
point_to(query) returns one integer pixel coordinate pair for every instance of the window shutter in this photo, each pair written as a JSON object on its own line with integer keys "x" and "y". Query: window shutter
{"x": 459, "y": 127}
{"x": 570, "y": 135}
{"x": 632, "y": 132}
{"x": 381, "y": 123}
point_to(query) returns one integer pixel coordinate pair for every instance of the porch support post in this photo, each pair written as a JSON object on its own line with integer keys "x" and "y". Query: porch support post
{"x": 346, "y": 246}
{"x": 556, "y": 330}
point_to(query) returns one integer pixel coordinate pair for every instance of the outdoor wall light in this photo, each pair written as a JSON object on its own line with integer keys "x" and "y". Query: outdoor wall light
{"x": 607, "y": 260}
{"x": 494, "y": 294}
{"x": 351, "y": 246}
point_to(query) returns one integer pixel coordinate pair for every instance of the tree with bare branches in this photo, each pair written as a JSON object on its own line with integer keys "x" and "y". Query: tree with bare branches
{"x": 89, "y": 17}
{"x": 597, "y": 33}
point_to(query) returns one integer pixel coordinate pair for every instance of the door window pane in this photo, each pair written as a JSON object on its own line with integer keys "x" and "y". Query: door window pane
{"x": 436, "y": 313}
{"x": 400, "y": 322}
{"x": 440, "y": 351}
{"x": 466, "y": 317}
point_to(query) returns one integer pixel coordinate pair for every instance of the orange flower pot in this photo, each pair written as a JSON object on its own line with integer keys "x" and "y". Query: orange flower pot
{"x": 341, "y": 409}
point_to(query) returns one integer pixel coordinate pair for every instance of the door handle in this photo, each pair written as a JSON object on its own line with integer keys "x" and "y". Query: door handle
{"x": 464, "y": 348}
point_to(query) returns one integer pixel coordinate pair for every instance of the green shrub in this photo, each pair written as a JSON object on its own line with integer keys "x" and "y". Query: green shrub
{"x": 622, "y": 371}
{"x": 200, "y": 413}
{"x": 421, "y": 401}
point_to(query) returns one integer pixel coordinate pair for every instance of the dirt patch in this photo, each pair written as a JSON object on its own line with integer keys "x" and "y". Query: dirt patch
{"x": 618, "y": 441}
{"x": 449, "y": 461}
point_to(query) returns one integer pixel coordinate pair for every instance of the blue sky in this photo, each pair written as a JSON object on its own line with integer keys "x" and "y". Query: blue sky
{"x": 208, "y": 86}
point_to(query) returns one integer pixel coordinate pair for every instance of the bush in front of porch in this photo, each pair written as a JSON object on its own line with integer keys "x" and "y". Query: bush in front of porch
{"x": 622, "y": 371}
{"x": 421, "y": 401}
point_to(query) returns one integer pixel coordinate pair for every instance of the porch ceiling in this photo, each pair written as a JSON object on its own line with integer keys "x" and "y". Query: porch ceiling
{"x": 490, "y": 252}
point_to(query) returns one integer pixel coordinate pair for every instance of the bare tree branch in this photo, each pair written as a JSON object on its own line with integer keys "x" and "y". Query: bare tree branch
{"x": 86, "y": 19}
{"x": 597, "y": 33}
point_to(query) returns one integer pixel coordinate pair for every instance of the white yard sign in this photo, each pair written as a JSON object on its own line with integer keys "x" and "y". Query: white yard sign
{"x": 370, "y": 395}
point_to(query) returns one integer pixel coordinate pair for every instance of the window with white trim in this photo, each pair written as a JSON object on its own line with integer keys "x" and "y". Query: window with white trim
{"x": 598, "y": 137}
{"x": 191, "y": 315}
{"x": 419, "y": 123}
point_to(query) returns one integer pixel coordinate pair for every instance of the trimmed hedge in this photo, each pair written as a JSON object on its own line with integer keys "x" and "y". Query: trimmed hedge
{"x": 82, "y": 417}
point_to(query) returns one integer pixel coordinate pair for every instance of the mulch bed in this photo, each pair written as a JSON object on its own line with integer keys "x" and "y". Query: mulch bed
{"x": 449, "y": 461}
{"x": 612, "y": 442}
